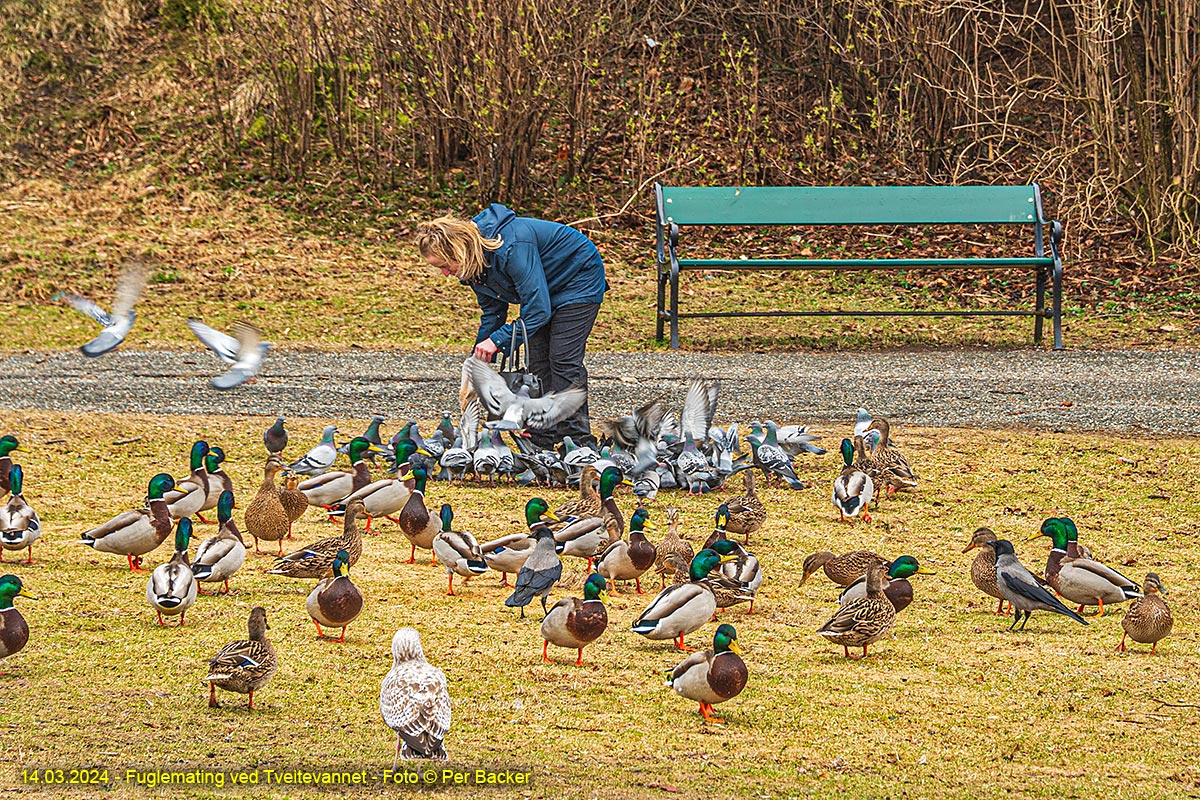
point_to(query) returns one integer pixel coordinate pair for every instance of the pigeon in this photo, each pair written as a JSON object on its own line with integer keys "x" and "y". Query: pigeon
{"x": 244, "y": 350}
{"x": 516, "y": 411}
{"x": 118, "y": 323}
{"x": 320, "y": 458}
{"x": 275, "y": 437}
{"x": 1018, "y": 586}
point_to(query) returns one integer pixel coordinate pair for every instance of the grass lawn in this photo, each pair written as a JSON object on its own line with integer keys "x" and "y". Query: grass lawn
{"x": 951, "y": 705}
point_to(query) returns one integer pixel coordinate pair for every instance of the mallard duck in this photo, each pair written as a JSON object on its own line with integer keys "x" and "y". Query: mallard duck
{"x": 458, "y": 550}
{"x": 135, "y": 533}
{"x": 294, "y": 501}
{"x": 673, "y": 543}
{"x": 508, "y": 553}
{"x": 896, "y": 587}
{"x": 1148, "y": 619}
{"x": 628, "y": 560}
{"x": 19, "y": 523}
{"x": 275, "y": 438}
{"x": 720, "y": 521}
{"x": 864, "y": 620}
{"x": 266, "y": 518}
{"x": 335, "y": 601}
{"x": 382, "y": 498}
{"x": 414, "y": 701}
{"x": 320, "y": 458}
{"x": 589, "y": 501}
{"x": 14, "y": 630}
{"x": 8, "y": 443}
{"x": 417, "y": 524}
{"x": 1087, "y": 582}
{"x": 326, "y": 489}
{"x": 744, "y": 572}
{"x": 189, "y": 494}
{"x": 219, "y": 557}
{"x": 572, "y": 622}
{"x": 682, "y": 608}
{"x": 676, "y": 567}
{"x": 888, "y": 467}
{"x": 844, "y": 569}
{"x": 853, "y": 489}
{"x": 246, "y": 666}
{"x": 584, "y": 536}
{"x": 1056, "y": 531}
{"x": 171, "y": 588}
{"x": 747, "y": 513}
{"x": 316, "y": 560}
{"x": 539, "y": 574}
{"x": 1018, "y": 586}
{"x": 712, "y": 676}
{"x": 983, "y": 568}
{"x": 218, "y": 480}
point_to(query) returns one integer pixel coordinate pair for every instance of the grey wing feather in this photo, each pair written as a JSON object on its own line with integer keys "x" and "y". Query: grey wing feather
{"x": 493, "y": 392}
{"x": 548, "y": 411}
{"x": 699, "y": 407}
{"x": 224, "y": 345}
{"x": 129, "y": 288}
{"x": 1024, "y": 586}
{"x": 88, "y": 309}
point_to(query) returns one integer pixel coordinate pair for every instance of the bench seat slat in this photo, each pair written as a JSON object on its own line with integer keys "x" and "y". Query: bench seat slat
{"x": 860, "y": 263}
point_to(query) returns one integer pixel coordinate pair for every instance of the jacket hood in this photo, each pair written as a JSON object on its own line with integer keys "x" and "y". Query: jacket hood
{"x": 492, "y": 219}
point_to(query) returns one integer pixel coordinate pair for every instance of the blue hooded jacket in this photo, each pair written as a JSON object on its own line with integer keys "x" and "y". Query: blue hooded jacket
{"x": 541, "y": 267}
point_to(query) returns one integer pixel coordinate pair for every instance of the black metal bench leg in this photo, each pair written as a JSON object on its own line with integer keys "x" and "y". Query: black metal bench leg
{"x": 674, "y": 309}
{"x": 1039, "y": 306}
{"x": 1058, "y": 345}
{"x": 659, "y": 312}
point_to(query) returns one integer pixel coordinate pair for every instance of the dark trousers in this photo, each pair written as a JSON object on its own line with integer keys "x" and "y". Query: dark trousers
{"x": 556, "y": 356}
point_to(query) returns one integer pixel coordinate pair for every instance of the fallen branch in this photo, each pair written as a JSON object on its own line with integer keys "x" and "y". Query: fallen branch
{"x": 633, "y": 196}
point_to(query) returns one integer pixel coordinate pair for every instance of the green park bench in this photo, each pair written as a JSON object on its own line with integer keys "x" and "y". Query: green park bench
{"x": 755, "y": 206}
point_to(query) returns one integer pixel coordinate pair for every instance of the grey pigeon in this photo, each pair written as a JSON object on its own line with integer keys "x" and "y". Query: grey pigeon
{"x": 542, "y": 570}
{"x": 1018, "y": 586}
{"x": 275, "y": 437}
{"x": 243, "y": 351}
{"x": 319, "y": 459}
{"x": 516, "y": 411}
{"x": 117, "y": 323}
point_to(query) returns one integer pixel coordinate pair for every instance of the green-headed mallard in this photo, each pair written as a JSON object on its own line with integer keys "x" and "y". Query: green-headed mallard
{"x": 1148, "y": 619}
{"x": 720, "y": 523}
{"x": 171, "y": 588}
{"x": 14, "y": 630}
{"x": 414, "y": 701}
{"x": 853, "y": 489}
{"x": 218, "y": 480}
{"x": 628, "y": 560}
{"x": 246, "y": 666}
{"x": 673, "y": 543}
{"x": 572, "y": 622}
{"x": 862, "y": 621}
{"x": 316, "y": 560}
{"x": 744, "y": 574}
{"x": 896, "y": 587}
{"x": 1087, "y": 582}
{"x": 19, "y": 523}
{"x": 588, "y": 503}
{"x": 326, "y": 489}
{"x": 135, "y": 533}
{"x": 844, "y": 569}
{"x": 508, "y": 553}
{"x": 219, "y": 557}
{"x": 189, "y": 494}
{"x": 8, "y": 443}
{"x": 584, "y": 536}
{"x": 887, "y": 466}
{"x": 386, "y": 496}
{"x": 747, "y": 513}
{"x": 983, "y": 568}
{"x": 335, "y": 601}
{"x": 1056, "y": 530}
{"x": 457, "y": 550}
{"x": 266, "y": 518}
{"x": 417, "y": 524}
{"x": 682, "y": 608}
{"x": 712, "y": 676}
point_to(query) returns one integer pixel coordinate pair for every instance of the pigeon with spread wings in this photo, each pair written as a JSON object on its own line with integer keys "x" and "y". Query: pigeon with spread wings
{"x": 516, "y": 411}
{"x": 117, "y": 324}
{"x": 243, "y": 351}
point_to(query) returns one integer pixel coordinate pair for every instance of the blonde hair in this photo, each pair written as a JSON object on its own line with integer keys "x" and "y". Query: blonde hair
{"x": 457, "y": 241}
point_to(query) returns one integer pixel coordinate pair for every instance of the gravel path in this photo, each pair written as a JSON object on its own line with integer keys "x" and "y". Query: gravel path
{"x": 1124, "y": 391}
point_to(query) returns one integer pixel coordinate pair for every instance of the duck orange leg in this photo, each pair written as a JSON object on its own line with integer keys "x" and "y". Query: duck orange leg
{"x": 342, "y": 638}
{"x": 1100, "y": 600}
{"x": 1121, "y": 648}
{"x": 706, "y": 711}
{"x": 579, "y": 660}
{"x": 545, "y": 658}
{"x": 212, "y": 696}
{"x": 866, "y": 513}
{"x": 679, "y": 645}
{"x": 320, "y": 633}
{"x": 412, "y": 557}
{"x": 451, "y": 592}
{"x": 250, "y": 702}
{"x": 638, "y": 581}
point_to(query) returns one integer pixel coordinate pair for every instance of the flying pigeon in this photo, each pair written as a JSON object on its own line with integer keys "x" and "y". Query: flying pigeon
{"x": 118, "y": 323}
{"x": 245, "y": 350}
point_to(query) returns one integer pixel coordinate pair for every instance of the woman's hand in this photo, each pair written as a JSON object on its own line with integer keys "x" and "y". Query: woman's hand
{"x": 485, "y": 350}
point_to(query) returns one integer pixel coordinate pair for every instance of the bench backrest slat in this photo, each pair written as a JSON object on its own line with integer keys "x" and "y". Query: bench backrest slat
{"x": 848, "y": 205}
